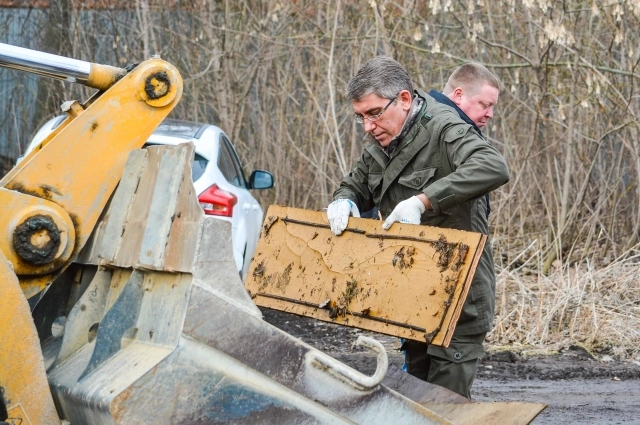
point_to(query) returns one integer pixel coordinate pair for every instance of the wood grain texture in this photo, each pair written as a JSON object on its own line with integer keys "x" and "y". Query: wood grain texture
{"x": 410, "y": 281}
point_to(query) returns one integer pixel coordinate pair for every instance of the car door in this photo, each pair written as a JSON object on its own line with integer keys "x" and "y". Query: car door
{"x": 245, "y": 225}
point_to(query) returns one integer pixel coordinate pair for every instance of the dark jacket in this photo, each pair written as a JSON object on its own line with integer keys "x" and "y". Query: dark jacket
{"x": 441, "y": 98}
{"x": 445, "y": 158}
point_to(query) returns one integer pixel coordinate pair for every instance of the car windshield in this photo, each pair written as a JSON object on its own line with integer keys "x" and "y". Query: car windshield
{"x": 181, "y": 129}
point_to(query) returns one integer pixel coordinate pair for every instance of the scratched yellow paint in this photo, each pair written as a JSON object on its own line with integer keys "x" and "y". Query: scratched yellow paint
{"x": 22, "y": 373}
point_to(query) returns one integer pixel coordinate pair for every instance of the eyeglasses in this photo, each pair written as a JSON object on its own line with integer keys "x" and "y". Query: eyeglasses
{"x": 375, "y": 117}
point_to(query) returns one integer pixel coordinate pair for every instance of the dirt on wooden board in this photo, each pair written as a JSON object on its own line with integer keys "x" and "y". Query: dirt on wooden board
{"x": 579, "y": 387}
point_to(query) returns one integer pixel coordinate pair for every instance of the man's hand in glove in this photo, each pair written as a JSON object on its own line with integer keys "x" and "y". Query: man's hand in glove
{"x": 407, "y": 211}
{"x": 338, "y": 214}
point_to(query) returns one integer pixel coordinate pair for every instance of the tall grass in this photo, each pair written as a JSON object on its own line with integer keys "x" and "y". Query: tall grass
{"x": 597, "y": 307}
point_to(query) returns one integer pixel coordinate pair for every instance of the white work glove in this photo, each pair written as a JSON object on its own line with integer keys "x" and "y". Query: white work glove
{"x": 338, "y": 214}
{"x": 407, "y": 211}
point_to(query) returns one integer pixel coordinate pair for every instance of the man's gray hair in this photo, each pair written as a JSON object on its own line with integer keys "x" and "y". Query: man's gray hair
{"x": 471, "y": 76}
{"x": 382, "y": 76}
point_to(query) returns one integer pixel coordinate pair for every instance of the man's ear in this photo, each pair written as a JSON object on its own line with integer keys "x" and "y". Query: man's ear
{"x": 405, "y": 99}
{"x": 456, "y": 95}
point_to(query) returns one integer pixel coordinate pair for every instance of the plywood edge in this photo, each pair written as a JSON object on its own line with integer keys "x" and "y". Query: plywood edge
{"x": 443, "y": 337}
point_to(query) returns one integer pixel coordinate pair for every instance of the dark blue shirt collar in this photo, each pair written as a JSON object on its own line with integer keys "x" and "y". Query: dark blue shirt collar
{"x": 441, "y": 98}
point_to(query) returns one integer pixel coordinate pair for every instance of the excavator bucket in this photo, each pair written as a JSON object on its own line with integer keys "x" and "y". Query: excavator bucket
{"x": 165, "y": 332}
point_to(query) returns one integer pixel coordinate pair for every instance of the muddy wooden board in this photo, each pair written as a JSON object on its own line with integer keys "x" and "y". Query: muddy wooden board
{"x": 409, "y": 281}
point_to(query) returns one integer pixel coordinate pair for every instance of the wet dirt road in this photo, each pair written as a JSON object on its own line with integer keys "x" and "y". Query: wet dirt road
{"x": 578, "y": 388}
{"x": 578, "y": 401}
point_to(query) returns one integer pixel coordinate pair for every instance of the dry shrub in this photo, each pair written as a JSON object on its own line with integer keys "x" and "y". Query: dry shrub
{"x": 597, "y": 307}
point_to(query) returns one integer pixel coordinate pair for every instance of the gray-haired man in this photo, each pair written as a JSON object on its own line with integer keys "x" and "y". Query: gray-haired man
{"x": 423, "y": 164}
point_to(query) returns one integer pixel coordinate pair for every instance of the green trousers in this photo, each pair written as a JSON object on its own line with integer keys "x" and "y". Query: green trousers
{"x": 453, "y": 367}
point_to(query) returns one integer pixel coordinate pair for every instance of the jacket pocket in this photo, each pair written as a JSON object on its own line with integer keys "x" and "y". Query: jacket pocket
{"x": 418, "y": 179}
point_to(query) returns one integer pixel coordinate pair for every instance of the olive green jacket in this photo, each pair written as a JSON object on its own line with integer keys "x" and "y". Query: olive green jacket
{"x": 447, "y": 160}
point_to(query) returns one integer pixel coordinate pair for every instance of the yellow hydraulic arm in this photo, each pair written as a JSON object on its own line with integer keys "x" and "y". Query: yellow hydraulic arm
{"x": 50, "y": 202}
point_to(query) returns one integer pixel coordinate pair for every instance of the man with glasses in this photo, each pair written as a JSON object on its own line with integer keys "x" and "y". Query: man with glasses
{"x": 423, "y": 164}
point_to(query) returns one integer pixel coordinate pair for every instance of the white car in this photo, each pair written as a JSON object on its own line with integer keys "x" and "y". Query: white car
{"x": 218, "y": 178}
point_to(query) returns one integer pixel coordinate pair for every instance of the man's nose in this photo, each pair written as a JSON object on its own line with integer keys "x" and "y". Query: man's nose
{"x": 489, "y": 113}
{"x": 368, "y": 125}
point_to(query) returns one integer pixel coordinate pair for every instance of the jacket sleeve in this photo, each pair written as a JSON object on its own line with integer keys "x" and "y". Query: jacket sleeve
{"x": 478, "y": 168}
{"x": 355, "y": 186}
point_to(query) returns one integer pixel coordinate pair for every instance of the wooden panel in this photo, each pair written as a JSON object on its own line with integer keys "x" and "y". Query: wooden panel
{"x": 409, "y": 281}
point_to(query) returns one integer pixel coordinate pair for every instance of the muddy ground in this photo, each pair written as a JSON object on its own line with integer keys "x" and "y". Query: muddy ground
{"x": 578, "y": 387}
